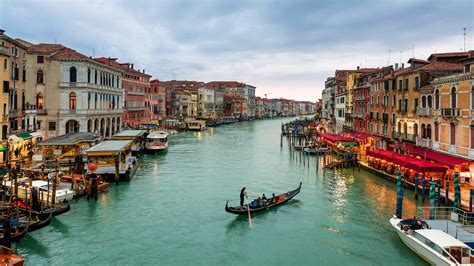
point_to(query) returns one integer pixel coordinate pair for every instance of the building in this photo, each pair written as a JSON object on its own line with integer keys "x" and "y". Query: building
{"x": 158, "y": 100}
{"x": 327, "y": 111}
{"x": 340, "y": 108}
{"x": 249, "y": 95}
{"x": 361, "y": 100}
{"x": 13, "y": 75}
{"x": 136, "y": 86}
{"x": 72, "y": 92}
{"x": 206, "y": 102}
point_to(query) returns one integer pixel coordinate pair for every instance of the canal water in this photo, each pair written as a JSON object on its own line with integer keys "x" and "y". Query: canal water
{"x": 172, "y": 212}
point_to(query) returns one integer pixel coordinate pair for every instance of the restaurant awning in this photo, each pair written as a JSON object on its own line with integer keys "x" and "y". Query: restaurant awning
{"x": 24, "y": 135}
{"x": 336, "y": 138}
{"x": 437, "y": 157}
{"x": 350, "y": 144}
{"x": 418, "y": 165}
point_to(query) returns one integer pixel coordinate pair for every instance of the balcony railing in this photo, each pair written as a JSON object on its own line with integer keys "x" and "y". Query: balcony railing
{"x": 424, "y": 111}
{"x": 5, "y": 50}
{"x": 41, "y": 112}
{"x": 427, "y": 143}
{"x": 450, "y": 112}
{"x": 405, "y": 136}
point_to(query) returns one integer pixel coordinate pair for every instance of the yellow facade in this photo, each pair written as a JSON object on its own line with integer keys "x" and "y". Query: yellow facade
{"x": 13, "y": 77}
{"x": 407, "y": 102}
{"x": 453, "y": 117}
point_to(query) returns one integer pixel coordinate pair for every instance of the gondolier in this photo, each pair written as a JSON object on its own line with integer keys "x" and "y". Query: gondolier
{"x": 243, "y": 194}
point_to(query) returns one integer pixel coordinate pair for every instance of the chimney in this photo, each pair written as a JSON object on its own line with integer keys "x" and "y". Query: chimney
{"x": 396, "y": 66}
{"x": 358, "y": 67}
{"x": 132, "y": 66}
{"x": 403, "y": 65}
{"x": 143, "y": 71}
{"x": 2, "y": 31}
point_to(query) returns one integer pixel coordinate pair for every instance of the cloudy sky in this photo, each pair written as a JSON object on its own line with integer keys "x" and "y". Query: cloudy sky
{"x": 286, "y": 48}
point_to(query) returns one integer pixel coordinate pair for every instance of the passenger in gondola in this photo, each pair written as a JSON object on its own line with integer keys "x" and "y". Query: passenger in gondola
{"x": 264, "y": 197}
{"x": 243, "y": 194}
{"x": 273, "y": 199}
{"x": 259, "y": 201}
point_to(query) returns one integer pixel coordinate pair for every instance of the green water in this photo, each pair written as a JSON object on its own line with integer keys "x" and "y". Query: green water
{"x": 172, "y": 212}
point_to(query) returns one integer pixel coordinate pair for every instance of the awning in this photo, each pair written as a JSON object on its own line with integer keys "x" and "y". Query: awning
{"x": 437, "y": 157}
{"x": 24, "y": 135}
{"x": 336, "y": 138}
{"x": 418, "y": 165}
{"x": 350, "y": 144}
{"x": 36, "y": 134}
{"x": 3, "y": 148}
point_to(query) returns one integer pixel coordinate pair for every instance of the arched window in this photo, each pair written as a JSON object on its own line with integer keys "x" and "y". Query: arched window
{"x": 472, "y": 98}
{"x": 88, "y": 75}
{"x": 423, "y": 131}
{"x": 95, "y": 76}
{"x": 430, "y": 101}
{"x": 72, "y": 74}
{"x": 453, "y": 97}
{"x": 428, "y": 131}
{"x": 423, "y": 101}
{"x": 405, "y": 128}
{"x": 72, "y": 101}
{"x": 399, "y": 127}
{"x": 39, "y": 101}
{"x": 39, "y": 77}
{"x": 415, "y": 129}
{"x": 437, "y": 99}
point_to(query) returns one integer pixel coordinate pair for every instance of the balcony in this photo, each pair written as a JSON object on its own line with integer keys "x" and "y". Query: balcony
{"x": 404, "y": 136}
{"x": 5, "y": 50}
{"x": 13, "y": 113}
{"x": 427, "y": 143}
{"x": 424, "y": 111}
{"x": 41, "y": 112}
{"x": 450, "y": 112}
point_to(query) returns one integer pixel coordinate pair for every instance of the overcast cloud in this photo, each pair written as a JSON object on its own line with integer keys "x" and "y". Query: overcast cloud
{"x": 286, "y": 48}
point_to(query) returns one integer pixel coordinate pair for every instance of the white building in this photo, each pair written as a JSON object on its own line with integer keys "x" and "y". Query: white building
{"x": 340, "y": 110}
{"x": 72, "y": 92}
{"x": 206, "y": 101}
{"x": 249, "y": 95}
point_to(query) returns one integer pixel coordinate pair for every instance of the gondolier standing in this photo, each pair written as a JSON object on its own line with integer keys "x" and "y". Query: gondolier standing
{"x": 243, "y": 194}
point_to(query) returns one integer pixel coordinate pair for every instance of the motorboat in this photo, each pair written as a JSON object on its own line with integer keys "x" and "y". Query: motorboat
{"x": 45, "y": 191}
{"x": 314, "y": 150}
{"x": 196, "y": 125}
{"x": 156, "y": 141}
{"x": 434, "y": 246}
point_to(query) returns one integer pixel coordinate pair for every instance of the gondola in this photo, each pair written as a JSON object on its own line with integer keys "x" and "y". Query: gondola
{"x": 14, "y": 236}
{"x": 243, "y": 209}
{"x": 56, "y": 210}
{"x": 38, "y": 221}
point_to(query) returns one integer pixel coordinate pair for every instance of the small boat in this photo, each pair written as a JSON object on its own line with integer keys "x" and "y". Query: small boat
{"x": 34, "y": 221}
{"x": 15, "y": 234}
{"x": 434, "y": 246}
{"x": 282, "y": 198}
{"x": 57, "y": 209}
{"x": 63, "y": 194}
{"x": 6, "y": 254}
{"x": 156, "y": 141}
{"x": 196, "y": 125}
{"x": 313, "y": 150}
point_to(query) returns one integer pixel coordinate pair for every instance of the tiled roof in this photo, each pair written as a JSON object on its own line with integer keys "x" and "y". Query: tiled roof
{"x": 440, "y": 66}
{"x": 416, "y": 60}
{"x": 224, "y": 84}
{"x": 444, "y": 55}
{"x": 113, "y": 63}
{"x": 67, "y": 53}
{"x": 45, "y": 48}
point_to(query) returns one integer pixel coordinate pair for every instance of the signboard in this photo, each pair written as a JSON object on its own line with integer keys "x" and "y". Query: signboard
{"x": 37, "y": 157}
{"x": 57, "y": 152}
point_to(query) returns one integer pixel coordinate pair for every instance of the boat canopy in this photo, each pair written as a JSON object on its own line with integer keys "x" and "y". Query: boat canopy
{"x": 109, "y": 146}
{"x": 130, "y": 133}
{"x": 157, "y": 135}
{"x": 441, "y": 239}
{"x": 71, "y": 139}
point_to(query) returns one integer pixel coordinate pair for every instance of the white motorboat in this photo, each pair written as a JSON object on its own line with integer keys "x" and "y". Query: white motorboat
{"x": 196, "y": 125}
{"x": 63, "y": 193}
{"x": 156, "y": 141}
{"x": 434, "y": 246}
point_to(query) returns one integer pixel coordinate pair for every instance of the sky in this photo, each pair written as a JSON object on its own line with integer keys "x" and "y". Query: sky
{"x": 284, "y": 48}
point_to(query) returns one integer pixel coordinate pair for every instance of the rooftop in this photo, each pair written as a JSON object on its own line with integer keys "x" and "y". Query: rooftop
{"x": 130, "y": 133}
{"x": 45, "y": 48}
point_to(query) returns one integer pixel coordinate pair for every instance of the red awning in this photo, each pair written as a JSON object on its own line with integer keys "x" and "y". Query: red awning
{"x": 335, "y": 138}
{"x": 437, "y": 157}
{"x": 421, "y": 166}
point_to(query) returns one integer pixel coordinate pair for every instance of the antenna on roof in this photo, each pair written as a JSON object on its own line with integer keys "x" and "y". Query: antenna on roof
{"x": 464, "y": 35}
{"x": 55, "y": 42}
{"x": 401, "y": 54}
{"x": 413, "y": 51}
{"x": 388, "y": 62}
{"x": 93, "y": 52}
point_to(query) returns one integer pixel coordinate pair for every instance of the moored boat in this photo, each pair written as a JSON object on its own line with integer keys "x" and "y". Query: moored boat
{"x": 434, "y": 246}
{"x": 63, "y": 194}
{"x": 156, "y": 141}
{"x": 34, "y": 221}
{"x": 280, "y": 199}
{"x": 314, "y": 150}
{"x": 196, "y": 125}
